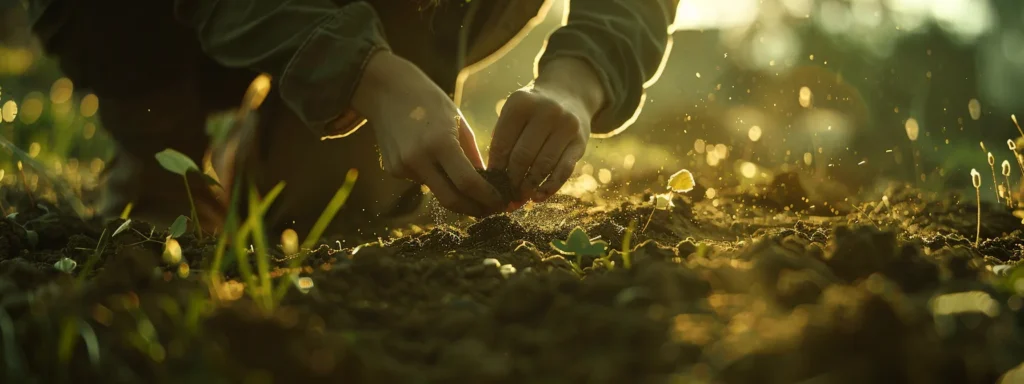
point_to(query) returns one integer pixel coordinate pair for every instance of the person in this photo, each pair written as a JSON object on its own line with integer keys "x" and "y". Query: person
{"x": 161, "y": 67}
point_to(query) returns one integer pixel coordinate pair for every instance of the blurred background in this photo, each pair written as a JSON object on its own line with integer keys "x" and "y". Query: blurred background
{"x": 854, "y": 94}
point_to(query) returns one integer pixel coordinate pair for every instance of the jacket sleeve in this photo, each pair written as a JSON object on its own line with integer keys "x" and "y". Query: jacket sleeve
{"x": 315, "y": 50}
{"x": 625, "y": 41}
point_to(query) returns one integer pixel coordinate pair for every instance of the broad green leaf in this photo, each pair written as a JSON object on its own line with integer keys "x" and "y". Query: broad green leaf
{"x": 579, "y": 244}
{"x": 681, "y": 182}
{"x": 596, "y": 248}
{"x": 179, "y": 227}
{"x": 577, "y": 240}
{"x": 561, "y": 247}
{"x": 176, "y": 162}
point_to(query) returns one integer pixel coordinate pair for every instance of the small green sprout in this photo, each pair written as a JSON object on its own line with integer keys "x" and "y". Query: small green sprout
{"x": 127, "y": 211}
{"x": 121, "y": 228}
{"x": 304, "y": 284}
{"x": 179, "y": 227}
{"x": 627, "y": 242}
{"x": 1006, "y": 174}
{"x": 65, "y": 265}
{"x": 976, "y": 180}
{"x": 180, "y": 164}
{"x": 995, "y": 181}
{"x": 579, "y": 244}
{"x": 679, "y": 182}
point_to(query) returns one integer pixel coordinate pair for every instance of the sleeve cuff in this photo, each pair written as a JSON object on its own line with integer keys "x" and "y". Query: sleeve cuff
{"x": 319, "y": 81}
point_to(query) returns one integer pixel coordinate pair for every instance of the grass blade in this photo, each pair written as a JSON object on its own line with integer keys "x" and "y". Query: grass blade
{"x": 318, "y": 229}
{"x": 331, "y": 210}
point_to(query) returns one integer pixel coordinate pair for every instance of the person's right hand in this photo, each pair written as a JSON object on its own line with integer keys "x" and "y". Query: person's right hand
{"x": 422, "y": 135}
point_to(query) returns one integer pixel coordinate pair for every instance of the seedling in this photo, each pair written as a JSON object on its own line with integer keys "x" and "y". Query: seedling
{"x": 325, "y": 219}
{"x": 1006, "y": 174}
{"x": 121, "y": 228}
{"x": 976, "y": 180}
{"x": 178, "y": 227}
{"x": 180, "y": 164}
{"x": 304, "y": 284}
{"x": 627, "y": 239}
{"x": 579, "y": 244}
{"x": 65, "y": 265}
{"x": 127, "y": 211}
{"x": 679, "y": 182}
{"x": 995, "y": 181}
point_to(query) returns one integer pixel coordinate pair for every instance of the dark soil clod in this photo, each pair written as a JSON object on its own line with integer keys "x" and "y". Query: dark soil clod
{"x": 500, "y": 180}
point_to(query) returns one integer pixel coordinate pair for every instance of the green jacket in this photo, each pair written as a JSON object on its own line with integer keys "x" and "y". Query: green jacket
{"x": 316, "y": 49}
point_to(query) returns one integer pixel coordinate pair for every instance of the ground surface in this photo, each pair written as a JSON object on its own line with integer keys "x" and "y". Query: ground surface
{"x": 744, "y": 290}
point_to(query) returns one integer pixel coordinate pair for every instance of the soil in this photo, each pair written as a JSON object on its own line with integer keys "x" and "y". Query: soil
{"x": 500, "y": 180}
{"x": 718, "y": 291}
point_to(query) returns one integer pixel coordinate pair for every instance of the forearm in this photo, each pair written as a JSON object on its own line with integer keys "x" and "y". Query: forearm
{"x": 315, "y": 50}
{"x": 624, "y": 41}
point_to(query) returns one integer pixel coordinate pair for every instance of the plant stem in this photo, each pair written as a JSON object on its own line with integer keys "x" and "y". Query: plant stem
{"x": 995, "y": 183}
{"x": 262, "y": 255}
{"x": 627, "y": 259}
{"x": 977, "y": 235}
{"x": 1009, "y": 193}
{"x": 1019, "y": 164}
{"x": 195, "y": 214}
{"x": 654, "y": 208}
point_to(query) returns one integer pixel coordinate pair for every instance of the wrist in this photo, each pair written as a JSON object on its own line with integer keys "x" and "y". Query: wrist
{"x": 573, "y": 78}
{"x": 376, "y": 83}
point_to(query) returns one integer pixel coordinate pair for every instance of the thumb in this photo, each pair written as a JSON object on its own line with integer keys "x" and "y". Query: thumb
{"x": 467, "y": 140}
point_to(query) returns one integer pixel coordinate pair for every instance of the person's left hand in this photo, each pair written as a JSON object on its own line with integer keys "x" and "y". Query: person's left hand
{"x": 543, "y": 131}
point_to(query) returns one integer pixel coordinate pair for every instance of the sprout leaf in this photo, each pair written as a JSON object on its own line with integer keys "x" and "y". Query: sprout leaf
{"x": 681, "y": 182}
{"x": 176, "y": 162}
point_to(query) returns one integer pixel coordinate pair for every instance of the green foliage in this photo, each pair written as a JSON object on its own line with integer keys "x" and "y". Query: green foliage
{"x": 65, "y": 265}
{"x": 121, "y": 228}
{"x": 326, "y": 217}
{"x": 627, "y": 239}
{"x": 179, "y": 227}
{"x": 579, "y": 244}
{"x": 176, "y": 162}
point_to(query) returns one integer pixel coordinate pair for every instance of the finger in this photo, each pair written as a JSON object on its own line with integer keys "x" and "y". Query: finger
{"x": 526, "y": 149}
{"x": 468, "y": 181}
{"x": 514, "y": 116}
{"x": 467, "y": 140}
{"x": 547, "y": 158}
{"x": 445, "y": 192}
{"x": 562, "y": 171}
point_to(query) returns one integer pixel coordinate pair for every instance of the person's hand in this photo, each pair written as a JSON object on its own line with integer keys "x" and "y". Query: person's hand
{"x": 422, "y": 135}
{"x": 542, "y": 132}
